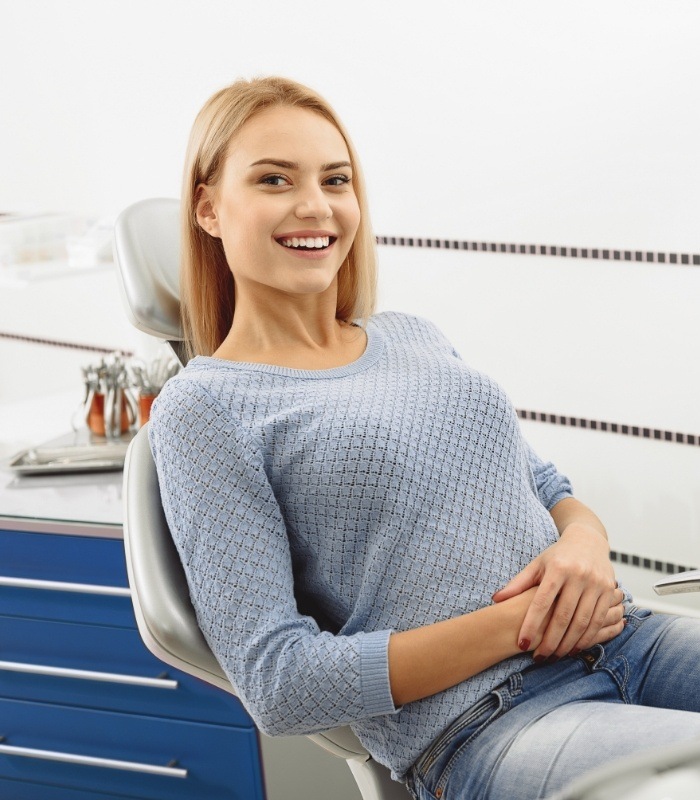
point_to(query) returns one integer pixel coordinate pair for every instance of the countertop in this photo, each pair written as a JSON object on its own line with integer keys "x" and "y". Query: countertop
{"x": 84, "y": 503}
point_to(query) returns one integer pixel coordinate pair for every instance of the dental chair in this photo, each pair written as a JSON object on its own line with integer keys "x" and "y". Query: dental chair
{"x": 146, "y": 249}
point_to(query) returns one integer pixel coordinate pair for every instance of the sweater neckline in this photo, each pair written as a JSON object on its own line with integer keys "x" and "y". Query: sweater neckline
{"x": 371, "y": 354}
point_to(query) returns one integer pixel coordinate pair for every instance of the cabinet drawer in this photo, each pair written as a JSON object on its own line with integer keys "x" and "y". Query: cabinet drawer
{"x": 64, "y": 577}
{"x": 77, "y": 559}
{"x": 127, "y": 754}
{"x": 108, "y": 668}
{"x": 13, "y": 790}
{"x": 60, "y": 601}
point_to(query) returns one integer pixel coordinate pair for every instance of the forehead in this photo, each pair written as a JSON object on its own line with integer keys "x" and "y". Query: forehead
{"x": 288, "y": 133}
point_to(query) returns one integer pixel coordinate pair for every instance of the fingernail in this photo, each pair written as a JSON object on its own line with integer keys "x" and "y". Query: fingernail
{"x": 524, "y": 645}
{"x": 552, "y": 659}
{"x": 575, "y": 651}
{"x": 539, "y": 659}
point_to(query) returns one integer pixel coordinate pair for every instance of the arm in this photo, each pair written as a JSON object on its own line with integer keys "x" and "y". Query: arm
{"x": 428, "y": 660}
{"x": 575, "y": 583}
{"x": 233, "y": 543}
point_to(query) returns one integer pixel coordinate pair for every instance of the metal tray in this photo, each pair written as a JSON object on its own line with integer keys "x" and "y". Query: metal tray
{"x": 80, "y": 451}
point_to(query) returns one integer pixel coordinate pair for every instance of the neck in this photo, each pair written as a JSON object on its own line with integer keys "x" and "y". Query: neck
{"x": 286, "y": 330}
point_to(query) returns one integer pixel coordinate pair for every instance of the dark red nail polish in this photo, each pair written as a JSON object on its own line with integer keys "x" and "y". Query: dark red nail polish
{"x": 524, "y": 645}
{"x": 552, "y": 659}
{"x": 539, "y": 659}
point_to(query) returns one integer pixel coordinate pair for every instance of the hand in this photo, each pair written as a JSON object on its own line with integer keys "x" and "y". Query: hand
{"x": 576, "y": 586}
{"x": 614, "y": 622}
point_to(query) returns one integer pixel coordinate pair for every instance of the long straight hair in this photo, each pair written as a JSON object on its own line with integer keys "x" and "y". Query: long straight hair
{"x": 206, "y": 284}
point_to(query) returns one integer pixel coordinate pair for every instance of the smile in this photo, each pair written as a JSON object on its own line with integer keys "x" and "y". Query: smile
{"x": 307, "y": 242}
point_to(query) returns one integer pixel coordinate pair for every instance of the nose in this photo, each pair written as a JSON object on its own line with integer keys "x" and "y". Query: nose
{"x": 313, "y": 204}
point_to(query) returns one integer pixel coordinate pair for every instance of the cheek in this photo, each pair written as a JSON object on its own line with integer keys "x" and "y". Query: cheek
{"x": 244, "y": 233}
{"x": 351, "y": 217}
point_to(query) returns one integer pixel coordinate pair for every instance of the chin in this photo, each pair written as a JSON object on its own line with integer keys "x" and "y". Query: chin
{"x": 311, "y": 284}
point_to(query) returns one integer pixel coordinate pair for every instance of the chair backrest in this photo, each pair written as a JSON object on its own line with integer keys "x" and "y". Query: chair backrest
{"x": 146, "y": 254}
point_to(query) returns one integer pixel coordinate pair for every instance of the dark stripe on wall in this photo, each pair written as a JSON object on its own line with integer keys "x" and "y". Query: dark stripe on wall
{"x": 611, "y": 427}
{"x": 596, "y": 253}
{"x": 67, "y": 345}
{"x": 648, "y": 563}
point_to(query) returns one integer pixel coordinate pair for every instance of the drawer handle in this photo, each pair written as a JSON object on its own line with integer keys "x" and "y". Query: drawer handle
{"x": 92, "y": 761}
{"x": 59, "y": 586}
{"x": 88, "y": 675}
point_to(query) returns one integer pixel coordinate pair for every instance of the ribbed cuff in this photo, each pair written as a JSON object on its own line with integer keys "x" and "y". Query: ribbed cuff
{"x": 374, "y": 660}
{"x": 561, "y": 494}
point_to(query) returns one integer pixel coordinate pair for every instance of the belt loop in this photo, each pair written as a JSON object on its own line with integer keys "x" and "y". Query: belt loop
{"x": 515, "y": 684}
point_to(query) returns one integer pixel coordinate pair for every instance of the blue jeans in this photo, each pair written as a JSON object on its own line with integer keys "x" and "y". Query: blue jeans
{"x": 549, "y": 724}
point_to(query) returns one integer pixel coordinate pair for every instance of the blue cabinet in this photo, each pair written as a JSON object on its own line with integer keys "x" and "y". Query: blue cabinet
{"x": 86, "y": 712}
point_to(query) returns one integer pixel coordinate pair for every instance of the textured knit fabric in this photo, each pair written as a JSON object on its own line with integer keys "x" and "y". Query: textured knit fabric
{"x": 317, "y": 511}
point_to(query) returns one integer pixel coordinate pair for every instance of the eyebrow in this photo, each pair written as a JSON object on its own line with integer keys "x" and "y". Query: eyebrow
{"x": 275, "y": 162}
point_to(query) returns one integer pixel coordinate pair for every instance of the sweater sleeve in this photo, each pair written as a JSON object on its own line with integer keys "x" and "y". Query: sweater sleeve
{"x": 551, "y": 485}
{"x": 292, "y": 677}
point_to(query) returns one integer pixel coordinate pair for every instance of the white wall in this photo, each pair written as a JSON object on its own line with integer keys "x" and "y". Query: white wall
{"x": 539, "y": 123}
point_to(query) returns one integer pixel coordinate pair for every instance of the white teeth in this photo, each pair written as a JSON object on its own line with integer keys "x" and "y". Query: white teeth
{"x": 307, "y": 241}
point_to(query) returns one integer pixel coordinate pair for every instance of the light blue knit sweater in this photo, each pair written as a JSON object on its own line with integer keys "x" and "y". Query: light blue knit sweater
{"x": 317, "y": 511}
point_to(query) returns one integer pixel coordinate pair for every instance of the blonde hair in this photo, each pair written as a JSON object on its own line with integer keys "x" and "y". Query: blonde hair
{"x": 206, "y": 283}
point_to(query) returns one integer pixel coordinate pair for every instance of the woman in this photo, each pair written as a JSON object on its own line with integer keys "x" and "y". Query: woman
{"x": 367, "y": 538}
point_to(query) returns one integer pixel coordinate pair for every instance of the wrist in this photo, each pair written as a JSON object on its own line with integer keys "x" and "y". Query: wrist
{"x": 513, "y": 611}
{"x": 585, "y": 529}
{"x": 570, "y": 512}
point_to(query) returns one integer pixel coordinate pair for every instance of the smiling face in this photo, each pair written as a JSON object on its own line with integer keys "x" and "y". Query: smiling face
{"x": 284, "y": 206}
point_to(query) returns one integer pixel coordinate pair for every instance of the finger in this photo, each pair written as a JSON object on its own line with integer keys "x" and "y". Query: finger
{"x": 524, "y": 580}
{"x": 610, "y": 632}
{"x": 614, "y": 617}
{"x": 618, "y": 597}
{"x": 598, "y": 618}
{"x": 603, "y": 614}
{"x": 587, "y": 620}
{"x": 570, "y": 619}
{"x": 543, "y": 606}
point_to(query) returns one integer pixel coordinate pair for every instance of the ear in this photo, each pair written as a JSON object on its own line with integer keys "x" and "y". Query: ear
{"x": 205, "y": 210}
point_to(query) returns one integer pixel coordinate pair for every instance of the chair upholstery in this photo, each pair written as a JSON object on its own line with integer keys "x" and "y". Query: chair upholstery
{"x": 147, "y": 254}
{"x": 147, "y": 257}
{"x": 680, "y": 583}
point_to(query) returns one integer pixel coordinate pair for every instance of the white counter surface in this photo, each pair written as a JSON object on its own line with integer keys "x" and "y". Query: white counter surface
{"x": 60, "y": 503}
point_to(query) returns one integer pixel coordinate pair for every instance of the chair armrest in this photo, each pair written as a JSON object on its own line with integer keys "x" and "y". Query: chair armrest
{"x": 679, "y": 583}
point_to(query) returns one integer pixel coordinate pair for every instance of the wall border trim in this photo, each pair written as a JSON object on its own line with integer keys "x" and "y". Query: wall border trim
{"x": 641, "y": 431}
{"x": 565, "y": 251}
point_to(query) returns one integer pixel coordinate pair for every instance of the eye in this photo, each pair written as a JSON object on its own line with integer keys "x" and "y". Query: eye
{"x": 337, "y": 180}
{"x": 273, "y": 180}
